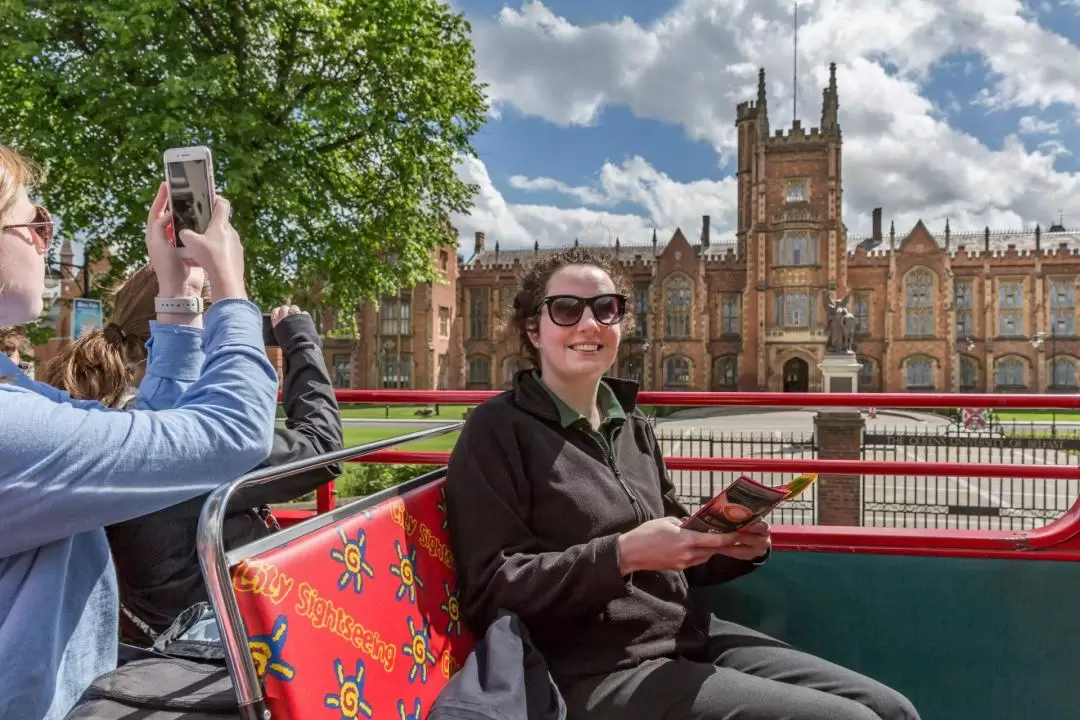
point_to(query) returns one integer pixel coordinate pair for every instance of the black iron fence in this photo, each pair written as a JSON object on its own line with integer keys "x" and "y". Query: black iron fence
{"x": 695, "y": 487}
{"x": 902, "y": 501}
{"x": 968, "y": 503}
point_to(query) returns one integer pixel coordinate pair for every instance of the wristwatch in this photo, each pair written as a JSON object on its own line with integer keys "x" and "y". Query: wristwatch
{"x": 179, "y": 305}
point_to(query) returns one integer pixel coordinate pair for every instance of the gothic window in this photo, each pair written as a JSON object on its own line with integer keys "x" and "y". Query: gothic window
{"x": 479, "y": 304}
{"x": 395, "y": 314}
{"x": 641, "y": 311}
{"x": 479, "y": 372}
{"x": 866, "y": 374}
{"x": 963, "y": 295}
{"x": 1064, "y": 373}
{"x": 677, "y": 308}
{"x": 342, "y": 371}
{"x": 725, "y": 372}
{"x": 1063, "y": 307}
{"x": 1010, "y": 373}
{"x": 1010, "y": 308}
{"x": 797, "y": 248}
{"x": 397, "y": 373}
{"x": 795, "y": 191}
{"x": 793, "y": 309}
{"x": 677, "y": 371}
{"x": 920, "y": 373}
{"x": 919, "y": 304}
{"x": 730, "y": 315}
{"x": 862, "y": 313}
{"x": 969, "y": 374}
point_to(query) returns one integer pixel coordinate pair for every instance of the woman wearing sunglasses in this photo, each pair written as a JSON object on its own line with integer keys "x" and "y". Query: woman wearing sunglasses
{"x": 561, "y": 511}
{"x": 68, "y": 468}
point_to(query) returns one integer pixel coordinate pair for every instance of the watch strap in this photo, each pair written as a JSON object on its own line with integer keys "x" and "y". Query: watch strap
{"x": 179, "y": 305}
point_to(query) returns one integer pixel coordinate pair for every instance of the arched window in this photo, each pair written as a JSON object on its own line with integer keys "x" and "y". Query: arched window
{"x": 1064, "y": 374}
{"x": 725, "y": 373}
{"x": 920, "y": 373}
{"x": 677, "y": 302}
{"x": 919, "y": 303}
{"x": 633, "y": 367}
{"x": 677, "y": 371}
{"x": 969, "y": 373}
{"x": 866, "y": 374}
{"x": 479, "y": 372}
{"x": 1010, "y": 373}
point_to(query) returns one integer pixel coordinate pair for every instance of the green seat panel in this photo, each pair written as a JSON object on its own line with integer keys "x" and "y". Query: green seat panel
{"x": 962, "y": 637}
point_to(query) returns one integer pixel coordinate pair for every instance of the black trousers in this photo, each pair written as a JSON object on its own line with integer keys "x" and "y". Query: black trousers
{"x": 742, "y": 675}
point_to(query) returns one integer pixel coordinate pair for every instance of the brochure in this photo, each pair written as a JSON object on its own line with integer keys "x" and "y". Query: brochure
{"x": 743, "y": 502}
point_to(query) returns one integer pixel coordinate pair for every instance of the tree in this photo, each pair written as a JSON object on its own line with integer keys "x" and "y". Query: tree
{"x": 335, "y": 126}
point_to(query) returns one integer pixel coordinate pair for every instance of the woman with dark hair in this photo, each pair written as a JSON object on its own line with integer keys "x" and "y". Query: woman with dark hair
{"x": 156, "y": 560}
{"x": 561, "y": 511}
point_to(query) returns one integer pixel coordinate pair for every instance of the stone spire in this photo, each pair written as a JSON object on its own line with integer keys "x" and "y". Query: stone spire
{"x": 762, "y": 106}
{"x": 830, "y": 103}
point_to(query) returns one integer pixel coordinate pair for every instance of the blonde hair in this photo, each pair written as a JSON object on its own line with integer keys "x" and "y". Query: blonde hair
{"x": 12, "y": 340}
{"x": 16, "y": 173}
{"x": 102, "y": 365}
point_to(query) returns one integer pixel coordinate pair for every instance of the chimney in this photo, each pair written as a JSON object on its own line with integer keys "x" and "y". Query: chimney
{"x": 877, "y": 225}
{"x": 479, "y": 247}
{"x": 704, "y": 231}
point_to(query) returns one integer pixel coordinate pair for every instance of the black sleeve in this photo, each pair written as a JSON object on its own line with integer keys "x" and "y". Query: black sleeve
{"x": 499, "y": 561}
{"x": 313, "y": 420}
{"x": 719, "y": 568}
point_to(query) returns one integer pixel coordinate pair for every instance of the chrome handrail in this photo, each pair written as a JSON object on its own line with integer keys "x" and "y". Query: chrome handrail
{"x": 215, "y": 565}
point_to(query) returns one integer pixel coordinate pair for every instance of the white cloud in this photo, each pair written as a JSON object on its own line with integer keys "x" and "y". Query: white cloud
{"x": 691, "y": 66}
{"x": 1033, "y": 125}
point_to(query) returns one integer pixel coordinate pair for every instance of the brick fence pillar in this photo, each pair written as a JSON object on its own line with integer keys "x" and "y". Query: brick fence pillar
{"x": 839, "y": 437}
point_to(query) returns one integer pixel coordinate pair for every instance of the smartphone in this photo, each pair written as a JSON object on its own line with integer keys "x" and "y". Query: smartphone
{"x": 269, "y": 339}
{"x": 189, "y": 172}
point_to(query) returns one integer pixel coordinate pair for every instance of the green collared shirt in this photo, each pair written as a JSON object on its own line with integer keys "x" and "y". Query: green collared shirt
{"x": 612, "y": 416}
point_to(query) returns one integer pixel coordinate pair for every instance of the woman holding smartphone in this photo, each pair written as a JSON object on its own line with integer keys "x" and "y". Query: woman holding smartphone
{"x": 68, "y": 468}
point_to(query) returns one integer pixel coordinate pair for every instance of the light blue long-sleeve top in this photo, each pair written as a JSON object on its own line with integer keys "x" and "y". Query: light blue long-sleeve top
{"x": 68, "y": 468}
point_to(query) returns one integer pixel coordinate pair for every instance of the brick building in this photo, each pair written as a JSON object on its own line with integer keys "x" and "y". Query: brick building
{"x": 976, "y": 311}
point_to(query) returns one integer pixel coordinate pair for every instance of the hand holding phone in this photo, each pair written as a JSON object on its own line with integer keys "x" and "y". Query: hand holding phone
{"x": 189, "y": 173}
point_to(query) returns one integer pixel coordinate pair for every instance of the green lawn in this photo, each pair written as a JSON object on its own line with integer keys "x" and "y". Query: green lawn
{"x": 401, "y": 412}
{"x": 359, "y": 435}
{"x": 1036, "y": 415}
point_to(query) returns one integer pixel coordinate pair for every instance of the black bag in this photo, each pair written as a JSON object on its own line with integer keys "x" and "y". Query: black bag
{"x": 183, "y": 677}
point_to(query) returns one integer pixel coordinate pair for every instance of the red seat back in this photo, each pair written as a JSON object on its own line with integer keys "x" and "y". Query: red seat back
{"x": 359, "y": 616}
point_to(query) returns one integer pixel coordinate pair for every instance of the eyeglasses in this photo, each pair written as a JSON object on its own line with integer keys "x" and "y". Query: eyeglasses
{"x": 42, "y": 226}
{"x": 566, "y": 310}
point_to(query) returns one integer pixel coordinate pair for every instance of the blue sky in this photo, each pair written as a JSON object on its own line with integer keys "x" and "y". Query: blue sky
{"x": 616, "y": 116}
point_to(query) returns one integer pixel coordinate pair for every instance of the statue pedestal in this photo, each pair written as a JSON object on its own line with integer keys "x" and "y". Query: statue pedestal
{"x": 840, "y": 372}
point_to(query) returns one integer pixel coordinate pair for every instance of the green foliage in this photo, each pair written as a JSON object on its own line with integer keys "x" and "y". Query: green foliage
{"x": 335, "y": 127}
{"x": 359, "y": 480}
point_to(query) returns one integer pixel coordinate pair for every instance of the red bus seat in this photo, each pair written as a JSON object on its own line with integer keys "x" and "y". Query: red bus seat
{"x": 359, "y": 616}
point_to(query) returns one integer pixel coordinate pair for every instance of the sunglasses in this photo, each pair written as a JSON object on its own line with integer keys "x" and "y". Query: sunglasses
{"x": 566, "y": 310}
{"x": 42, "y": 226}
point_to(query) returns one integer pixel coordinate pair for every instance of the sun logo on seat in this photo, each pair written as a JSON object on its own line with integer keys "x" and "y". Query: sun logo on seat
{"x": 406, "y": 570}
{"x": 452, "y": 607}
{"x": 419, "y": 649}
{"x": 404, "y": 714}
{"x": 266, "y": 652}
{"x": 441, "y": 505}
{"x": 353, "y": 555}
{"x": 349, "y": 699}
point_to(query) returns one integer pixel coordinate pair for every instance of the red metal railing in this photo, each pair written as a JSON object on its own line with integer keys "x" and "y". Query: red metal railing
{"x": 1062, "y": 535}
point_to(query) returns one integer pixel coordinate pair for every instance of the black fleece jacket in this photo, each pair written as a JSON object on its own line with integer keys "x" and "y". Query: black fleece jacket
{"x": 157, "y": 565}
{"x": 535, "y": 511}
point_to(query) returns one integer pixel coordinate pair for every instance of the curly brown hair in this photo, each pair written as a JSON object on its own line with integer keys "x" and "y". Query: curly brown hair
{"x": 521, "y": 316}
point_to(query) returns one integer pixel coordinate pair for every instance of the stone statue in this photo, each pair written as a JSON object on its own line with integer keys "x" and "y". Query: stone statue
{"x": 839, "y": 324}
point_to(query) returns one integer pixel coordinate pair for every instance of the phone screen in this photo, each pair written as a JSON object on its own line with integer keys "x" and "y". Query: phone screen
{"x": 269, "y": 339}
{"x": 190, "y": 196}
